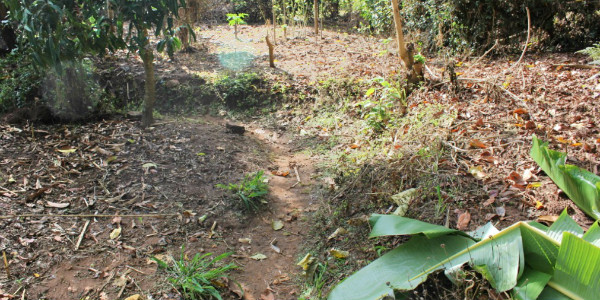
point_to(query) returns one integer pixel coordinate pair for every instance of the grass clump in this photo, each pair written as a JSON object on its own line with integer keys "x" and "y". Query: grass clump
{"x": 196, "y": 278}
{"x": 251, "y": 190}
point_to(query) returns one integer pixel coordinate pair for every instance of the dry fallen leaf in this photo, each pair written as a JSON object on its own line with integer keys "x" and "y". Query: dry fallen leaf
{"x": 245, "y": 240}
{"x": 267, "y": 295}
{"x": 520, "y": 111}
{"x": 121, "y": 281}
{"x": 477, "y": 172}
{"x": 115, "y": 233}
{"x": 477, "y": 144}
{"x": 306, "y": 261}
{"x": 57, "y": 205}
{"x": 280, "y": 173}
{"x": 275, "y": 248}
{"x": 133, "y": 297}
{"x": 463, "y": 220}
{"x": 277, "y": 225}
{"x": 66, "y": 150}
{"x": 539, "y": 205}
{"x": 258, "y": 256}
{"x": 340, "y": 254}
{"x": 489, "y": 201}
{"x": 337, "y": 232}
{"x": 549, "y": 219}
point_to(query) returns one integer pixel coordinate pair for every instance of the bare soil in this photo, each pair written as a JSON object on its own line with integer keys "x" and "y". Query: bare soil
{"x": 170, "y": 169}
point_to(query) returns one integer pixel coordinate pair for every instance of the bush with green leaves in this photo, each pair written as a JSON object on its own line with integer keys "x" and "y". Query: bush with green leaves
{"x": 593, "y": 52}
{"x": 195, "y": 278}
{"x": 257, "y": 10}
{"x": 61, "y": 31}
{"x": 378, "y": 108}
{"x": 19, "y": 82}
{"x": 251, "y": 190}
{"x": 246, "y": 90}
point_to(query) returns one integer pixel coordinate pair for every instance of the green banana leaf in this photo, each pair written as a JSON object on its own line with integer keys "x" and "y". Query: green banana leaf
{"x": 525, "y": 257}
{"x": 582, "y": 186}
{"x": 577, "y": 270}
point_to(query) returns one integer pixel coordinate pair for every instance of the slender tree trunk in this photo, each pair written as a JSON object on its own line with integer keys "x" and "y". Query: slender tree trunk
{"x": 400, "y": 35}
{"x": 150, "y": 86}
{"x": 274, "y": 25}
{"x": 414, "y": 73}
{"x": 316, "y": 16}
{"x": 271, "y": 52}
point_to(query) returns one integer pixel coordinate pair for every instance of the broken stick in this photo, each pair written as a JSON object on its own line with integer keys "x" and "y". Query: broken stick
{"x": 297, "y": 177}
{"x": 6, "y": 265}
{"x": 83, "y": 230}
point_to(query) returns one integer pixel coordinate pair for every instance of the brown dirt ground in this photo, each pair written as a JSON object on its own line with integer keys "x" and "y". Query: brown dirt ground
{"x": 105, "y": 173}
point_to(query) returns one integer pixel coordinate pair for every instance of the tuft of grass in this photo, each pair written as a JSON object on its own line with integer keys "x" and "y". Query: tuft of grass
{"x": 251, "y": 190}
{"x": 316, "y": 279}
{"x": 196, "y": 278}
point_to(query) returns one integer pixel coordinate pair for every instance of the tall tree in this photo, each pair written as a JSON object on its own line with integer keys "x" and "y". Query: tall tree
{"x": 64, "y": 30}
{"x": 144, "y": 16}
{"x": 316, "y": 16}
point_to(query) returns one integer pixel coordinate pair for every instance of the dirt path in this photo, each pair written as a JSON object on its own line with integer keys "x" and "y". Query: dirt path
{"x": 288, "y": 200}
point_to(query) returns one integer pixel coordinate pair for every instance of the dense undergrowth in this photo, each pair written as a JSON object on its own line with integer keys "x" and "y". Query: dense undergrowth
{"x": 371, "y": 147}
{"x": 109, "y": 89}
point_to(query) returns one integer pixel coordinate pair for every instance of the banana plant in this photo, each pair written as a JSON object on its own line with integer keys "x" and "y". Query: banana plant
{"x": 582, "y": 186}
{"x": 529, "y": 259}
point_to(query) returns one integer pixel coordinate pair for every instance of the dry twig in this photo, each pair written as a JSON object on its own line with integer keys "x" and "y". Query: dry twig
{"x": 6, "y": 265}
{"x": 83, "y": 230}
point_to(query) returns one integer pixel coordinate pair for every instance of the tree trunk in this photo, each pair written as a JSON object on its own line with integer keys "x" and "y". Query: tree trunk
{"x": 271, "y": 54}
{"x": 407, "y": 52}
{"x": 316, "y": 16}
{"x": 400, "y": 35}
{"x": 150, "y": 86}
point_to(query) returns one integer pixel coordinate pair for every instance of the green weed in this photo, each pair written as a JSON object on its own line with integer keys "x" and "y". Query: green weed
{"x": 315, "y": 283}
{"x": 251, "y": 190}
{"x": 194, "y": 278}
{"x": 378, "y": 108}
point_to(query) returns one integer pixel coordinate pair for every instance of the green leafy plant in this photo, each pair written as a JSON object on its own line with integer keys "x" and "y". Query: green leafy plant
{"x": 419, "y": 59}
{"x": 593, "y": 52}
{"x": 19, "y": 81}
{"x": 532, "y": 260}
{"x": 58, "y": 31}
{"x": 378, "y": 113}
{"x": 195, "y": 278}
{"x": 582, "y": 186}
{"x": 251, "y": 190}
{"x": 235, "y": 20}
{"x": 243, "y": 91}
{"x": 316, "y": 277}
